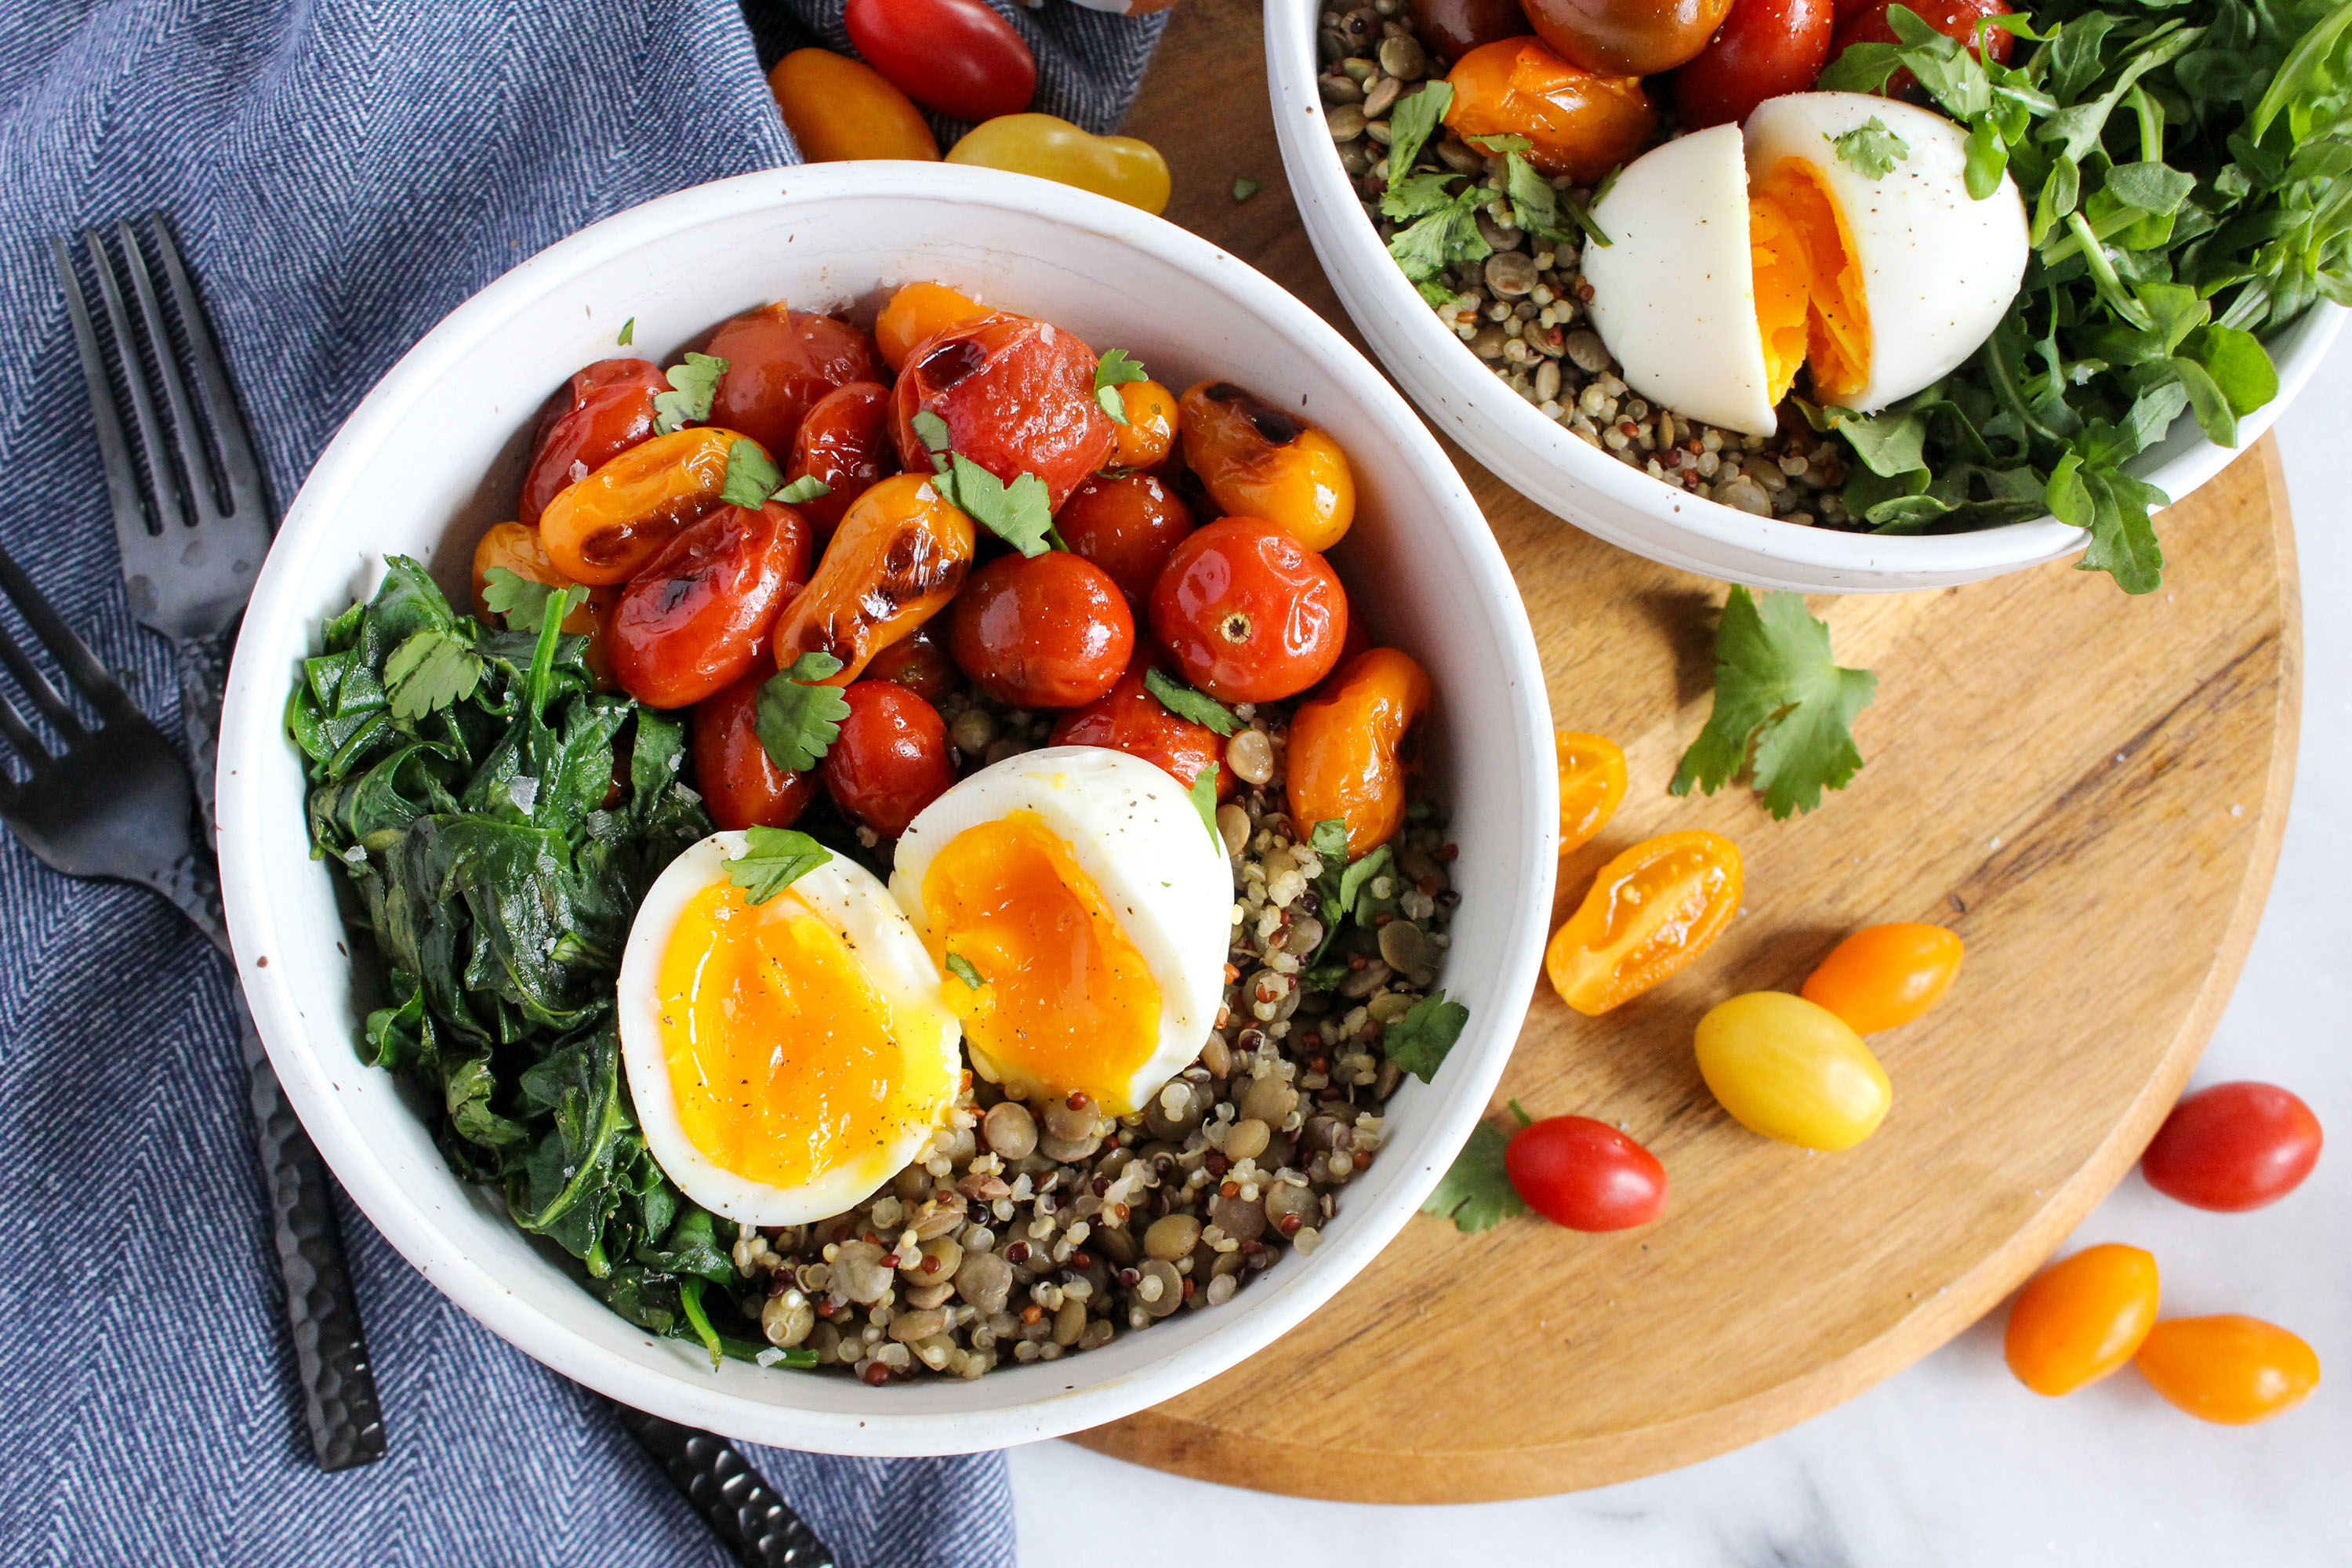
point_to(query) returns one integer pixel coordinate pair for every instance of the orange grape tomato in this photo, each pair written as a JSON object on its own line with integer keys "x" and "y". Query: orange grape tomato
{"x": 604, "y": 528}
{"x": 1120, "y": 167}
{"x": 1580, "y": 124}
{"x": 515, "y": 546}
{"x": 839, "y": 109}
{"x": 1257, "y": 460}
{"x": 1592, "y": 785}
{"x": 917, "y": 313}
{"x": 1345, "y": 754}
{"x": 1149, "y": 433}
{"x": 1883, "y": 977}
{"x": 2082, "y": 1317}
{"x": 1650, "y": 912}
{"x": 2229, "y": 1369}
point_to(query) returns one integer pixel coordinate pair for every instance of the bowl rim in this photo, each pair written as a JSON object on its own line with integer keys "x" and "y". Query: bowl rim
{"x": 1510, "y": 435}
{"x": 253, "y": 720}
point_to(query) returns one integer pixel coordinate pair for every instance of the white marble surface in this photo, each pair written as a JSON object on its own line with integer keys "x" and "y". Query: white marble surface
{"x": 1952, "y": 1462}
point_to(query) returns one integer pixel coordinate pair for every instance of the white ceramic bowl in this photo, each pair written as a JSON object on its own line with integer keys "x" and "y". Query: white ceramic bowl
{"x": 407, "y": 473}
{"x": 1549, "y": 465}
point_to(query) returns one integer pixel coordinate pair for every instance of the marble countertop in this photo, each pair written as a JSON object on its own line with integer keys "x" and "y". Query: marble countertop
{"x": 1952, "y": 1462}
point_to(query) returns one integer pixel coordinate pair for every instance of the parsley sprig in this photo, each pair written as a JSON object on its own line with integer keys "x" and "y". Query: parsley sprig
{"x": 525, "y": 603}
{"x": 1783, "y": 707}
{"x": 430, "y": 670}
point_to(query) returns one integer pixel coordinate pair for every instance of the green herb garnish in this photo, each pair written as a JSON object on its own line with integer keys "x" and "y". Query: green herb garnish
{"x": 693, "y": 385}
{"x": 798, "y": 717}
{"x": 1783, "y": 707}
{"x": 962, "y": 969}
{"x": 802, "y": 490}
{"x": 774, "y": 858}
{"x": 524, "y": 604}
{"x": 1205, "y": 801}
{"x": 1476, "y": 1193}
{"x": 1354, "y": 881}
{"x": 1187, "y": 702}
{"x": 628, "y": 334}
{"x": 1019, "y": 514}
{"x": 1113, "y": 370}
{"x": 1245, "y": 187}
{"x": 1410, "y": 120}
{"x": 751, "y": 478}
{"x": 1871, "y": 149}
{"x": 1419, "y": 1042}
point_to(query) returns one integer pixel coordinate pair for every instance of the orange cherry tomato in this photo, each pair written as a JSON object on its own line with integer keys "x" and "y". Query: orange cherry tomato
{"x": 1042, "y": 631}
{"x": 601, "y": 413}
{"x": 780, "y": 362}
{"x": 1144, "y": 442}
{"x": 696, "y": 617}
{"x": 2082, "y": 1317}
{"x": 1582, "y": 124}
{"x": 916, "y": 314}
{"x": 1130, "y": 719}
{"x": 1250, "y": 614}
{"x": 741, "y": 784}
{"x": 604, "y": 528}
{"x": 1626, "y": 38}
{"x": 1650, "y": 912}
{"x": 837, "y": 109}
{"x": 1592, "y": 785}
{"x": 2230, "y": 1368}
{"x": 1883, "y": 977}
{"x": 1346, "y": 747}
{"x": 844, "y": 445}
{"x": 1257, "y": 460}
{"x": 891, "y": 758}
{"x": 919, "y": 663}
{"x": 1127, "y": 526}
{"x": 1764, "y": 48}
{"x": 516, "y": 547}
{"x": 896, "y": 561}
{"x": 1017, "y": 397}
{"x": 1956, "y": 19}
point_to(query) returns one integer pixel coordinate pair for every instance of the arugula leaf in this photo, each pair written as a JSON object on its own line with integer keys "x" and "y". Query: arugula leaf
{"x": 1410, "y": 120}
{"x": 525, "y": 603}
{"x": 797, "y": 717}
{"x": 1871, "y": 149}
{"x": 774, "y": 858}
{"x": 1419, "y": 1041}
{"x": 1019, "y": 513}
{"x": 1205, "y": 801}
{"x": 1114, "y": 370}
{"x": 962, "y": 969}
{"x": 628, "y": 334}
{"x": 802, "y": 490}
{"x": 751, "y": 478}
{"x": 692, "y": 386}
{"x": 1783, "y": 707}
{"x": 1476, "y": 1193}
{"x": 1245, "y": 187}
{"x": 1891, "y": 442}
{"x": 1186, "y": 702}
{"x": 429, "y": 671}
{"x": 2090, "y": 489}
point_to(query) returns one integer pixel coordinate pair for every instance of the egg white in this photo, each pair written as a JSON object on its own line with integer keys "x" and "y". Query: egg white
{"x": 858, "y": 906}
{"x": 1133, "y": 829}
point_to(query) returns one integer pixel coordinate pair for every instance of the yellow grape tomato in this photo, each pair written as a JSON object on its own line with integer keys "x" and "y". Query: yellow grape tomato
{"x": 1792, "y": 1069}
{"x": 1120, "y": 167}
{"x": 1592, "y": 785}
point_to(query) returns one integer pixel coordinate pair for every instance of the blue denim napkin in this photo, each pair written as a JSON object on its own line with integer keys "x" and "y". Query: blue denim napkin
{"x": 340, "y": 173}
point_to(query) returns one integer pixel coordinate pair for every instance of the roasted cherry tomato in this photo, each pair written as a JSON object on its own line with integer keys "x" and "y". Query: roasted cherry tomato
{"x": 741, "y": 784}
{"x": 1452, "y": 29}
{"x": 1585, "y": 1174}
{"x": 1592, "y": 785}
{"x": 1346, "y": 747}
{"x": 696, "y": 617}
{"x": 955, "y": 55}
{"x": 605, "y": 409}
{"x": 1018, "y": 396}
{"x": 1649, "y": 913}
{"x": 844, "y": 445}
{"x": 2081, "y": 1319}
{"x": 1126, "y": 526}
{"x": 604, "y": 528}
{"x": 1144, "y": 442}
{"x": 1042, "y": 631}
{"x": 2233, "y": 1147}
{"x": 839, "y": 109}
{"x": 917, "y": 313}
{"x": 896, "y": 561}
{"x": 1130, "y": 719}
{"x": 516, "y": 547}
{"x": 1884, "y": 976}
{"x": 1257, "y": 460}
{"x": 1792, "y": 1070}
{"x": 919, "y": 663}
{"x": 1764, "y": 48}
{"x": 1120, "y": 167}
{"x": 1581, "y": 124}
{"x": 2231, "y": 1369}
{"x": 1251, "y": 615}
{"x": 1954, "y": 18}
{"x": 891, "y": 758}
{"x": 780, "y": 362}
{"x": 1626, "y": 38}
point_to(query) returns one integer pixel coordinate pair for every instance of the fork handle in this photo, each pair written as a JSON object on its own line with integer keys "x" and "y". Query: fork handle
{"x": 733, "y": 1497}
{"x": 202, "y": 664}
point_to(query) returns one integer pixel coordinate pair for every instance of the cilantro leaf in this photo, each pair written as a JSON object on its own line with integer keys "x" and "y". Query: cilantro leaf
{"x": 1410, "y": 121}
{"x": 1205, "y": 801}
{"x": 1352, "y": 880}
{"x": 751, "y": 478}
{"x": 1502, "y": 142}
{"x": 1476, "y": 1193}
{"x": 1019, "y": 514}
{"x": 524, "y": 603}
{"x": 933, "y": 432}
{"x": 1535, "y": 206}
{"x": 1446, "y": 236}
{"x": 774, "y": 858}
{"x": 1329, "y": 842}
{"x": 1419, "y": 1041}
{"x": 801, "y": 491}
{"x": 692, "y": 386}
{"x": 1113, "y": 370}
{"x": 962, "y": 969}
{"x": 1417, "y": 195}
{"x": 1871, "y": 149}
{"x": 1245, "y": 187}
{"x": 1187, "y": 703}
{"x": 628, "y": 333}
{"x": 797, "y": 718}
{"x": 432, "y": 670}
{"x": 1784, "y": 706}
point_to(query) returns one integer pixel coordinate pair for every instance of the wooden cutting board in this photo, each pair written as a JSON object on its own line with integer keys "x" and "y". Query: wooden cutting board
{"x": 2088, "y": 787}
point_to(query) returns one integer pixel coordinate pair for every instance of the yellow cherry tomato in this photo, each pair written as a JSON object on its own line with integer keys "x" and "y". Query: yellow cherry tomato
{"x": 1144, "y": 442}
{"x": 1120, "y": 167}
{"x": 1257, "y": 460}
{"x": 2081, "y": 1319}
{"x": 2231, "y": 1369}
{"x": 1650, "y": 912}
{"x": 1881, "y": 976}
{"x": 1592, "y": 785}
{"x": 839, "y": 109}
{"x": 1792, "y": 1070}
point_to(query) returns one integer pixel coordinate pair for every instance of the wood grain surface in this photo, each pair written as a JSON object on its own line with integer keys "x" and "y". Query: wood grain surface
{"x": 2088, "y": 787}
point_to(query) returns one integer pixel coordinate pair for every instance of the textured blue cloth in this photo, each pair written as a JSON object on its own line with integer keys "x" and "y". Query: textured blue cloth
{"x": 340, "y": 173}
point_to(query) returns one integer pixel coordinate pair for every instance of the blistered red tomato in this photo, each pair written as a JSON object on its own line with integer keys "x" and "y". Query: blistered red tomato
{"x": 1585, "y": 1174}
{"x": 919, "y": 663}
{"x": 891, "y": 758}
{"x": 1250, "y": 614}
{"x": 1764, "y": 48}
{"x": 740, "y": 785}
{"x": 1017, "y": 397}
{"x": 696, "y": 616}
{"x": 780, "y": 362}
{"x": 605, "y": 409}
{"x": 1130, "y": 719}
{"x": 844, "y": 445}
{"x": 955, "y": 55}
{"x": 1127, "y": 526}
{"x": 2233, "y": 1147}
{"x": 1043, "y": 631}
{"x": 1953, "y": 18}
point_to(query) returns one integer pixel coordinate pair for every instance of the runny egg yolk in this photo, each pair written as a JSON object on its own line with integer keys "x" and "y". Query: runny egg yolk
{"x": 783, "y": 1060}
{"x": 1808, "y": 286}
{"x": 1065, "y": 1001}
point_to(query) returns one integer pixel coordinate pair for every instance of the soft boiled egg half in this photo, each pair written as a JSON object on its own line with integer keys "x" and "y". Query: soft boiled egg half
{"x": 1739, "y": 254}
{"x": 786, "y": 1057}
{"x": 1079, "y": 910}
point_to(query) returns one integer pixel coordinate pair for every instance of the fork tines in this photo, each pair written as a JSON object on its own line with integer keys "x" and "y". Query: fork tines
{"x": 81, "y": 668}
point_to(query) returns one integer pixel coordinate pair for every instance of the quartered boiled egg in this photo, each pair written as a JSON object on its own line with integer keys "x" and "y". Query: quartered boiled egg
{"x": 1739, "y": 254}
{"x": 1080, "y": 911}
{"x": 786, "y": 1057}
